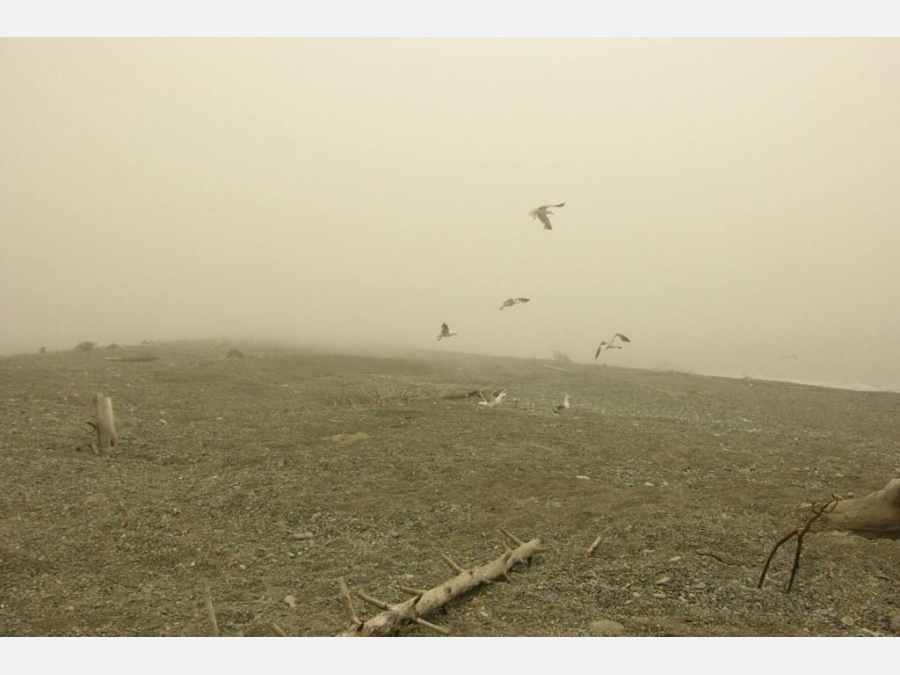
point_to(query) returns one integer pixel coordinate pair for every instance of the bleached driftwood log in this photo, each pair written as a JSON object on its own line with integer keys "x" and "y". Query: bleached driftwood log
{"x": 425, "y": 602}
{"x": 132, "y": 358}
{"x": 106, "y": 426}
{"x": 876, "y": 514}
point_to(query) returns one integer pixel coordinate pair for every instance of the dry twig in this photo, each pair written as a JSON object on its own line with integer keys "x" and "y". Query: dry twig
{"x": 800, "y": 532}
{"x": 210, "y": 611}
{"x": 348, "y": 605}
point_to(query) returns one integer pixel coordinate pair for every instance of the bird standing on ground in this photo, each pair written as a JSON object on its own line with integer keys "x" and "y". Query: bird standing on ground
{"x": 493, "y": 398}
{"x": 562, "y": 406}
{"x": 542, "y": 212}
{"x": 446, "y": 332}
{"x": 513, "y": 301}
{"x": 611, "y": 344}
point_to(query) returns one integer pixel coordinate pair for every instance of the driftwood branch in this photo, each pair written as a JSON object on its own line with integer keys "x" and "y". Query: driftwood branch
{"x": 593, "y": 547}
{"x": 210, "y": 611}
{"x": 347, "y": 603}
{"x": 875, "y": 515}
{"x": 800, "y": 532}
{"x": 394, "y": 617}
{"x": 132, "y": 358}
{"x": 412, "y": 591}
{"x": 105, "y": 426}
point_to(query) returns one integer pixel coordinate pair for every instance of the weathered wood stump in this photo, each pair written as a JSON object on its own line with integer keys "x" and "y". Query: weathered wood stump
{"x": 875, "y": 515}
{"x": 105, "y": 426}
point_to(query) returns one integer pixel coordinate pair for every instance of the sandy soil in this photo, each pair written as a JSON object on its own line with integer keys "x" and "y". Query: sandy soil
{"x": 271, "y": 476}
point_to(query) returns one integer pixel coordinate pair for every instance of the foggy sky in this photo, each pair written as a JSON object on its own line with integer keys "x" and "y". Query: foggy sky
{"x": 728, "y": 201}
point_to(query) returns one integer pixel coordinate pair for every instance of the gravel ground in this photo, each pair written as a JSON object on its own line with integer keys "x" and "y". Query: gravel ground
{"x": 270, "y": 477}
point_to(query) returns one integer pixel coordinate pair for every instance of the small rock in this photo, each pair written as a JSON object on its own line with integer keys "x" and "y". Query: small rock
{"x": 848, "y": 621}
{"x": 582, "y": 477}
{"x": 607, "y": 628}
{"x": 95, "y": 499}
{"x": 663, "y": 581}
{"x": 290, "y": 601}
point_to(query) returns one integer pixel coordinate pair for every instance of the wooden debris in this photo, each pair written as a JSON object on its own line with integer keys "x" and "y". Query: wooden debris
{"x": 396, "y": 616}
{"x": 132, "y": 358}
{"x": 593, "y": 547}
{"x": 875, "y": 515}
{"x": 347, "y": 603}
{"x": 800, "y": 532}
{"x": 210, "y": 611}
{"x": 105, "y": 425}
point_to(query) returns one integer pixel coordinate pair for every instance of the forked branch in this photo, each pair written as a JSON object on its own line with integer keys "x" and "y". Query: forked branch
{"x": 800, "y": 532}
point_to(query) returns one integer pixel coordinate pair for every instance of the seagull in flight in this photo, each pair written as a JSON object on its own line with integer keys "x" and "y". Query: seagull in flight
{"x": 493, "y": 398}
{"x": 513, "y": 301}
{"x": 611, "y": 344}
{"x": 789, "y": 356}
{"x": 562, "y": 406}
{"x": 446, "y": 332}
{"x": 542, "y": 212}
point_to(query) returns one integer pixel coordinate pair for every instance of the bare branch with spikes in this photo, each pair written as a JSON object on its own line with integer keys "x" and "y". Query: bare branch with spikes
{"x": 412, "y": 610}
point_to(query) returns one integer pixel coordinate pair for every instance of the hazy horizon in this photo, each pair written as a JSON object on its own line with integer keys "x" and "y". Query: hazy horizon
{"x": 728, "y": 200}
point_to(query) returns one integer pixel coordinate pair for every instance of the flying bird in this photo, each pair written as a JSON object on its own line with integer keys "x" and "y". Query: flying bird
{"x": 446, "y": 332}
{"x": 493, "y": 398}
{"x": 562, "y": 406}
{"x": 611, "y": 344}
{"x": 542, "y": 212}
{"x": 789, "y": 356}
{"x": 513, "y": 301}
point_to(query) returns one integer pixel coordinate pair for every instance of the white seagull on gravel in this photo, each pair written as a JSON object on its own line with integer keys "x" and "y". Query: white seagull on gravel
{"x": 513, "y": 301}
{"x": 492, "y": 399}
{"x": 446, "y": 332}
{"x": 542, "y": 212}
{"x": 562, "y": 406}
{"x": 611, "y": 344}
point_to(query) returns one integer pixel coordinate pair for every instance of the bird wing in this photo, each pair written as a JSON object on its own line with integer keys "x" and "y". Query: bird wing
{"x": 621, "y": 337}
{"x": 445, "y": 329}
{"x": 599, "y": 349}
{"x": 523, "y": 300}
{"x": 508, "y": 303}
{"x": 540, "y": 215}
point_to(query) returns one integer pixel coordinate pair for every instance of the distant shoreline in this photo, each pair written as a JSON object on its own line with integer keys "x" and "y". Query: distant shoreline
{"x": 384, "y": 351}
